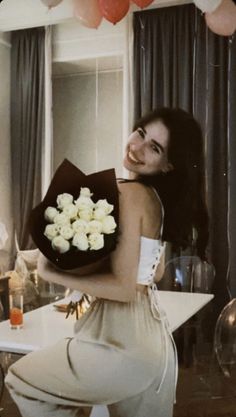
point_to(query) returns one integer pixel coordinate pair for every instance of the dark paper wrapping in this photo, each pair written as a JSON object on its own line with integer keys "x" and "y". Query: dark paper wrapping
{"x": 69, "y": 179}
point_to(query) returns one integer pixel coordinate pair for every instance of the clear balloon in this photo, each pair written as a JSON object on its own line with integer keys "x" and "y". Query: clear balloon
{"x": 225, "y": 339}
{"x": 114, "y": 10}
{"x": 142, "y": 3}
{"x": 88, "y": 13}
{"x": 189, "y": 274}
{"x": 51, "y": 3}
{"x": 223, "y": 20}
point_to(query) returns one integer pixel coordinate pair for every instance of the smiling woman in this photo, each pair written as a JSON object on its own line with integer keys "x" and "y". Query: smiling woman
{"x": 147, "y": 149}
{"x": 125, "y": 331}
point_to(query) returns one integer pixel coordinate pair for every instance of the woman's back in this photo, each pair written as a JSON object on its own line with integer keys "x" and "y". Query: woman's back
{"x": 147, "y": 214}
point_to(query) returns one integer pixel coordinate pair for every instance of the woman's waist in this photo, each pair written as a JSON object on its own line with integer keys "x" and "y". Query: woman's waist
{"x": 142, "y": 288}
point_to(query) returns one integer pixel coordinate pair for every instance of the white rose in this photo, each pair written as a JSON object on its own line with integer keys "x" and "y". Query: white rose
{"x": 70, "y": 211}
{"x": 50, "y": 213}
{"x": 61, "y": 219}
{"x": 80, "y": 240}
{"x": 84, "y": 191}
{"x": 86, "y": 214}
{"x": 96, "y": 241}
{"x": 66, "y": 231}
{"x": 95, "y": 226}
{"x": 64, "y": 199}
{"x": 99, "y": 214}
{"x": 51, "y": 231}
{"x": 108, "y": 225}
{"x": 103, "y": 204}
{"x": 84, "y": 203}
{"x": 80, "y": 226}
{"x": 60, "y": 244}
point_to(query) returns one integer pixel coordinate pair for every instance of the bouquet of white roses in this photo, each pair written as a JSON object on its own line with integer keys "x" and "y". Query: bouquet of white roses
{"x": 79, "y": 224}
{"x": 76, "y": 224}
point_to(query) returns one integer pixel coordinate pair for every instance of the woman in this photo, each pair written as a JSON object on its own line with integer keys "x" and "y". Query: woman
{"x": 123, "y": 354}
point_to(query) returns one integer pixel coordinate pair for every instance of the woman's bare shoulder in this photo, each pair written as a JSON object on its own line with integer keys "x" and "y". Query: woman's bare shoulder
{"x": 141, "y": 194}
{"x": 142, "y": 204}
{"x": 133, "y": 188}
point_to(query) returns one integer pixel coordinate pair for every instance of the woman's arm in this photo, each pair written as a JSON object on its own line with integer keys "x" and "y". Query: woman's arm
{"x": 119, "y": 283}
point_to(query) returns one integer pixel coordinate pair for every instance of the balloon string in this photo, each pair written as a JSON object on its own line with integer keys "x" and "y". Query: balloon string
{"x": 228, "y": 177}
{"x": 194, "y": 59}
{"x": 96, "y": 116}
{"x": 206, "y": 108}
{"x": 143, "y": 80}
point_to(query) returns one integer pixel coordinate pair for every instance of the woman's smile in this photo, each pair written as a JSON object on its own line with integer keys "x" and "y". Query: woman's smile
{"x": 132, "y": 158}
{"x": 146, "y": 150}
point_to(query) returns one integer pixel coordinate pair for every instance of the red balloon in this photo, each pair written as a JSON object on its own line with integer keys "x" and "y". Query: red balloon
{"x": 223, "y": 20}
{"x": 113, "y": 10}
{"x": 88, "y": 13}
{"x": 142, "y": 3}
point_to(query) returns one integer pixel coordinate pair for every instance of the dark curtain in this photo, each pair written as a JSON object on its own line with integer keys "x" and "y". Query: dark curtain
{"x": 178, "y": 62}
{"x": 27, "y": 126}
{"x": 163, "y": 58}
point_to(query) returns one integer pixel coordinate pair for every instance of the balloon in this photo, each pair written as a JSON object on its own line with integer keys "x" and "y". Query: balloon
{"x": 223, "y": 20}
{"x": 208, "y": 6}
{"x": 142, "y": 3}
{"x": 88, "y": 12}
{"x": 51, "y": 3}
{"x": 113, "y": 10}
{"x": 225, "y": 338}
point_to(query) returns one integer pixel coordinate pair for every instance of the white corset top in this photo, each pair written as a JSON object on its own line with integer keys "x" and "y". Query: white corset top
{"x": 151, "y": 251}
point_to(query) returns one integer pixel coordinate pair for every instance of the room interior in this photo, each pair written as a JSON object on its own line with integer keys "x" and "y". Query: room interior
{"x": 89, "y": 107}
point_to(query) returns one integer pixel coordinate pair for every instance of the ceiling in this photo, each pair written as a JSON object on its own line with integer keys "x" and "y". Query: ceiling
{"x": 19, "y": 14}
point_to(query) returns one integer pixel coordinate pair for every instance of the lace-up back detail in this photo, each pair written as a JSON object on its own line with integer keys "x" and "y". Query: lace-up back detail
{"x": 151, "y": 251}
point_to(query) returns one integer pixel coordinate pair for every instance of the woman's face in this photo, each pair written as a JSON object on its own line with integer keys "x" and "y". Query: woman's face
{"x": 146, "y": 150}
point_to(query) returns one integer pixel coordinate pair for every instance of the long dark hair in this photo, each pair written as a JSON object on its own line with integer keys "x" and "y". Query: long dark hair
{"x": 182, "y": 190}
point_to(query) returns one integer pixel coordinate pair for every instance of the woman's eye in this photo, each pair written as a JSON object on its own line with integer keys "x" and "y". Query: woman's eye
{"x": 155, "y": 148}
{"x": 141, "y": 132}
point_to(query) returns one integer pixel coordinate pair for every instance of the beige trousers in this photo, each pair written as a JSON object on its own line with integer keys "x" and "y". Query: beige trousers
{"x": 116, "y": 359}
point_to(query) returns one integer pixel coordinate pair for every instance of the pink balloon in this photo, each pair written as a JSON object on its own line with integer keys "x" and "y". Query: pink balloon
{"x": 142, "y": 3}
{"x": 113, "y": 10}
{"x": 223, "y": 20}
{"x": 51, "y": 3}
{"x": 88, "y": 12}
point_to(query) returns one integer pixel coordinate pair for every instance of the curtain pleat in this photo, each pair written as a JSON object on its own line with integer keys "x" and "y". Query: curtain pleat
{"x": 27, "y": 126}
{"x": 163, "y": 58}
{"x": 178, "y": 62}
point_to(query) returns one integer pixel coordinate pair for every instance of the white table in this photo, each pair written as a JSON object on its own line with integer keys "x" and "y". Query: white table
{"x": 45, "y": 326}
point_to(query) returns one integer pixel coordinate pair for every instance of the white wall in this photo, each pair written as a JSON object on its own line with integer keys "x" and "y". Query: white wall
{"x": 72, "y": 41}
{"x": 87, "y": 120}
{"x": 5, "y": 159}
{"x": 88, "y": 100}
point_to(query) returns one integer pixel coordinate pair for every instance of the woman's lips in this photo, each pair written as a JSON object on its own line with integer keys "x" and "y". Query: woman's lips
{"x": 131, "y": 158}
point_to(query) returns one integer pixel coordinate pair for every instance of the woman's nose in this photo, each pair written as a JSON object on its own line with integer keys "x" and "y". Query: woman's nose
{"x": 136, "y": 146}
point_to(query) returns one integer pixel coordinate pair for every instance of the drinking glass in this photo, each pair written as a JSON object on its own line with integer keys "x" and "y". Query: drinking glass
{"x": 16, "y": 308}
